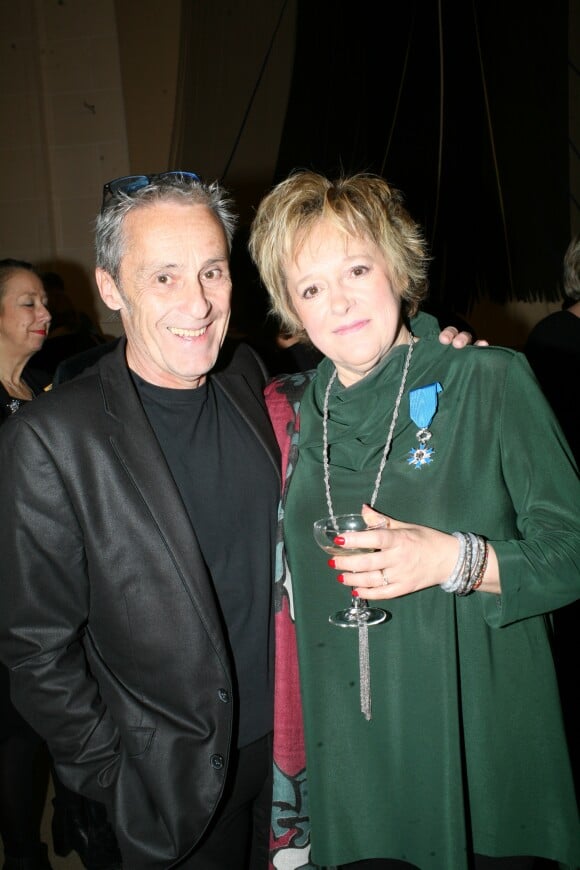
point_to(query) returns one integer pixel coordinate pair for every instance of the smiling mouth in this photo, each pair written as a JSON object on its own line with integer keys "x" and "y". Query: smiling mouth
{"x": 187, "y": 333}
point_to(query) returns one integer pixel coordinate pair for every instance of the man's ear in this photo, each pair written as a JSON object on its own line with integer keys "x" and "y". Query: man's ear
{"x": 109, "y": 291}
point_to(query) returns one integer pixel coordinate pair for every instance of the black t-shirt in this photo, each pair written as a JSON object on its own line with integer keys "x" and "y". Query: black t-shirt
{"x": 230, "y": 491}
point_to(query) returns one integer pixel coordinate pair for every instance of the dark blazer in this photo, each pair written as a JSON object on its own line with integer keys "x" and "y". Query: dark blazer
{"x": 108, "y": 619}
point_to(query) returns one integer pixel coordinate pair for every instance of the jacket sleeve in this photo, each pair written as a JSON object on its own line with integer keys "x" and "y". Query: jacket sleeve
{"x": 44, "y": 606}
{"x": 540, "y": 571}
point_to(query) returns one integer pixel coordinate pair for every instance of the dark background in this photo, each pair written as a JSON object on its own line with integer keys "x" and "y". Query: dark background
{"x": 461, "y": 105}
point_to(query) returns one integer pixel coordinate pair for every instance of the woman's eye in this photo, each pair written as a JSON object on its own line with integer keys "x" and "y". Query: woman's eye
{"x": 310, "y": 292}
{"x": 212, "y": 274}
{"x": 163, "y": 279}
{"x": 359, "y": 270}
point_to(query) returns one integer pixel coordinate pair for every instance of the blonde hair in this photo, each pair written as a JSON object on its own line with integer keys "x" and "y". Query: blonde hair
{"x": 360, "y": 205}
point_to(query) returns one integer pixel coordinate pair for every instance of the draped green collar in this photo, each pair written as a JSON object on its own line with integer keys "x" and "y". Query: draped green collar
{"x": 357, "y": 412}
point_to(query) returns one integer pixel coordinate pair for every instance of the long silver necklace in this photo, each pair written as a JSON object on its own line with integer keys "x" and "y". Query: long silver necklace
{"x": 388, "y": 442}
{"x": 363, "y": 630}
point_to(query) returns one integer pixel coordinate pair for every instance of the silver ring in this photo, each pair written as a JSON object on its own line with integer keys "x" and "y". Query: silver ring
{"x": 385, "y": 578}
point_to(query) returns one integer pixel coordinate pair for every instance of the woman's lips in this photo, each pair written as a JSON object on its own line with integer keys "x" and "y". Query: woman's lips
{"x": 351, "y": 327}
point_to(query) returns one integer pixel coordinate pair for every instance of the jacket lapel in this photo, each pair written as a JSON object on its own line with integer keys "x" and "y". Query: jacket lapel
{"x": 252, "y": 410}
{"x": 137, "y": 449}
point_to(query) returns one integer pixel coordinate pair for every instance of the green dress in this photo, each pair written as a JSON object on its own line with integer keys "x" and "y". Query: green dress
{"x": 465, "y": 751}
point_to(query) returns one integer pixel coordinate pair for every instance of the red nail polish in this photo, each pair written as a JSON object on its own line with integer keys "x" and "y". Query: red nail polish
{"x": 354, "y": 593}
{"x": 339, "y": 541}
{"x": 331, "y": 563}
{"x": 340, "y": 578}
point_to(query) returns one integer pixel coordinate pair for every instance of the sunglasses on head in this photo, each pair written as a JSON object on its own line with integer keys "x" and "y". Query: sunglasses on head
{"x": 127, "y": 185}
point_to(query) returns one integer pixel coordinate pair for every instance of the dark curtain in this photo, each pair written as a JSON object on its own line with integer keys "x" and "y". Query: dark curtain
{"x": 463, "y": 105}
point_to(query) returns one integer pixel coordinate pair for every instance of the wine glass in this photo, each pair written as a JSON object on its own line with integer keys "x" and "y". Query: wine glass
{"x": 325, "y": 531}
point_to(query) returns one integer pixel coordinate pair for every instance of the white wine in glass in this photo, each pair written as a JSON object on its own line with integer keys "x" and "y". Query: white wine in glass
{"x": 325, "y": 531}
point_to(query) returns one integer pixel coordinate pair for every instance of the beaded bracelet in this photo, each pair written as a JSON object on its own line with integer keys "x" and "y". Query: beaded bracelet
{"x": 469, "y": 569}
{"x": 481, "y": 572}
{"x": 474, "y": 566}
{"x": 454, "y": 580}
{"x": 470, "y": 549}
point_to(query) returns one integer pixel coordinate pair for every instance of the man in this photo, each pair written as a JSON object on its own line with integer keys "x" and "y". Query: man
{"x": 139, "y": 532}
{"x": 137, "y": 516}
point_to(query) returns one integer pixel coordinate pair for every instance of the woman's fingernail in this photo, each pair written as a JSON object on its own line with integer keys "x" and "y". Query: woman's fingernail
{"x": 339, "y": 541}
{"x": 340, "y": 578}
{"x": 354, "y": 593}
{"x": 331, "y": 563}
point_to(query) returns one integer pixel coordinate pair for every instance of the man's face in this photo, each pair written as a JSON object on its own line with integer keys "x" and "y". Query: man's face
{"x": 173, "y": 292}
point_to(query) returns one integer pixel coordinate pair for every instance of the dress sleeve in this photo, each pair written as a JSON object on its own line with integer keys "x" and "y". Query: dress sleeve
{"x": 539, "y": 571}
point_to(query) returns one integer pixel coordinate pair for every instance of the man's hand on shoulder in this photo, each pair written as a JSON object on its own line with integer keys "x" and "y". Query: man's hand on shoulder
{"x": 451, "y": 335}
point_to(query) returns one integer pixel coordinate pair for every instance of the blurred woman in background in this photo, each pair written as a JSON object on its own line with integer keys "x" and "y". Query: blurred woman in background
{"x": 24, "y": 325}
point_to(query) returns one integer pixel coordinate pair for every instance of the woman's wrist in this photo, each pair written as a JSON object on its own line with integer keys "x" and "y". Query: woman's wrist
{"x": 471, "y": 565}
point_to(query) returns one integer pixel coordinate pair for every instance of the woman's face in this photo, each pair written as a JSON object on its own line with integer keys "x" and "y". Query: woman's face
{"x": 341, "y": 290}
{"x": 24, "y": 317}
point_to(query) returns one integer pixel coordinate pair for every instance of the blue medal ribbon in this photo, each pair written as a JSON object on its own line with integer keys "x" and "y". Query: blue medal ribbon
{"x": 423, "y": 404}
{"x": 422, "y": 409}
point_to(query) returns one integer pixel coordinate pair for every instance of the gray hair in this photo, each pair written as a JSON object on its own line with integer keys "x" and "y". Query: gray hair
{"x": 572, "y": 270}
{"x": 109, "y": 226}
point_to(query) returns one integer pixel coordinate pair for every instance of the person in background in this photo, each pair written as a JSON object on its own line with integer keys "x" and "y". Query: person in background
{"x": 433, "y": 740}
{"x": 553, "y": 351}
{"x": 24, "y": 324}
{"x": 76, "y": 823}
{"x": 23, "y": 331}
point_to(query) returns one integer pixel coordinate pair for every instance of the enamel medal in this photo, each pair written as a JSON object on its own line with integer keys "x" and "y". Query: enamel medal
{"x": 422, "y": 409}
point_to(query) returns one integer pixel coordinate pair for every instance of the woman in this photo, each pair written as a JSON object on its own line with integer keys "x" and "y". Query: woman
{"x": 77, "y": 822}
{"x": 24, "y": 324}
{"x": 455, "y": 755}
